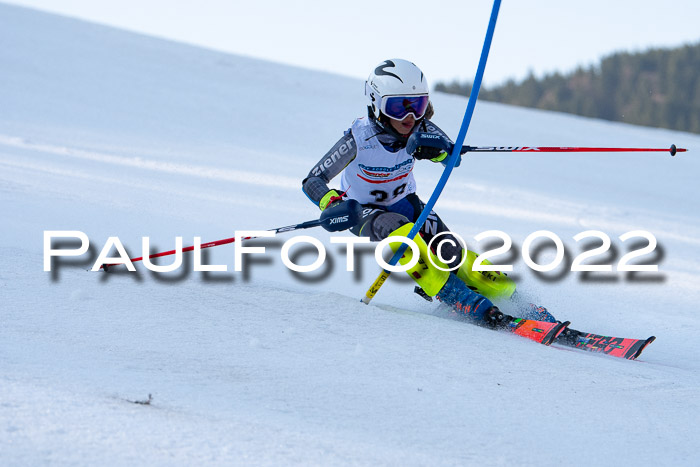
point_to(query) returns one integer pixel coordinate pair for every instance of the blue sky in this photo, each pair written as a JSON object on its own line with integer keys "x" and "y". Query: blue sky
{"x": 444, "y": 37}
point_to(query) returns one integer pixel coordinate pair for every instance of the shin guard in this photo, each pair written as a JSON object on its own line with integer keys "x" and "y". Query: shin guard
{"x": 492, "y": 284}
{"x": 430, "y": 278}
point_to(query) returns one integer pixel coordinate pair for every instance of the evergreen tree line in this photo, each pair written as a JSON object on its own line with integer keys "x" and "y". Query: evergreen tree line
{"x": 659, "y": 88}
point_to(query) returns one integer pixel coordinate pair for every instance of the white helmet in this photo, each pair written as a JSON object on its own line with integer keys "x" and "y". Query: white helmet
{"x": 395, "y": 89}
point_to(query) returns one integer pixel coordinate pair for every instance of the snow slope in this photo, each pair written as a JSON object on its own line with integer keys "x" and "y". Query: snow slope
{"x": 117, "y": 134}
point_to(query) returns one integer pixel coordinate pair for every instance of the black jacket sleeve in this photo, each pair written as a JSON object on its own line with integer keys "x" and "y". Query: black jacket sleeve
{"x": 315, "y": 185}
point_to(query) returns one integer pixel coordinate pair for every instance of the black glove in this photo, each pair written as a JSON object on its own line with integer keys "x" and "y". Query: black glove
{"x": 430, "y": 146}
{"x": 427, "y": 145}
{"x": 427, "y": 152}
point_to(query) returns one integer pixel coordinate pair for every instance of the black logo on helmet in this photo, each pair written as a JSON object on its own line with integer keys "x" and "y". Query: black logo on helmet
{"x": 380, "y": 71}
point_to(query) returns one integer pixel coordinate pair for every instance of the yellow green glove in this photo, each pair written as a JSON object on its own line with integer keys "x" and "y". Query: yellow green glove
{"x": 441, "y": 157}
{"x": 330, "y": 198}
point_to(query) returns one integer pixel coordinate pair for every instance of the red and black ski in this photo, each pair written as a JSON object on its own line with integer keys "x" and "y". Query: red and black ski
{"x": 614, "y": 346}
{"x": 538, "y": 331}
{"x": 559, "y": 333}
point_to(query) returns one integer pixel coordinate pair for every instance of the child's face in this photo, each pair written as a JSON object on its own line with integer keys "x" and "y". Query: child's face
{"x": 404, "y": 126}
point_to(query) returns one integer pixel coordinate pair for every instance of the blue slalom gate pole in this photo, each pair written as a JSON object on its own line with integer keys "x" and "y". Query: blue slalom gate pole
{"x": 371, "y": 292}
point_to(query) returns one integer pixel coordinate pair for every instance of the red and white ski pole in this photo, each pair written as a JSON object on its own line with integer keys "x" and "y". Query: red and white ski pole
{"x": 225, "y": 241}
{"x": 673, "y": 149}
{"x": 335, "y": 219}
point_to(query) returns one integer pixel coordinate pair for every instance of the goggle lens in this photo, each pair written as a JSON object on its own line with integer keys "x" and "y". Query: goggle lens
{"x": 398, "y": 107}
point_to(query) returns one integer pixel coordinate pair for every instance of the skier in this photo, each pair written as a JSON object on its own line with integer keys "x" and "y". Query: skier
{"x": 377, "y": 171}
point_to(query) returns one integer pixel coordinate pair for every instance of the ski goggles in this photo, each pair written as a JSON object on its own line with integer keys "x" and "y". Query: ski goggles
{"x": 398, "y": 107}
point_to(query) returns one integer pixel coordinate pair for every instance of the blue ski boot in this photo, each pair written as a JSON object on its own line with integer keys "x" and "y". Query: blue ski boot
{"x": 464, "y": 300}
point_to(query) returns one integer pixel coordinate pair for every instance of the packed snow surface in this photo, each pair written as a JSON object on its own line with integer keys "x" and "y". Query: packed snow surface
{"x": 116, "y": 134}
